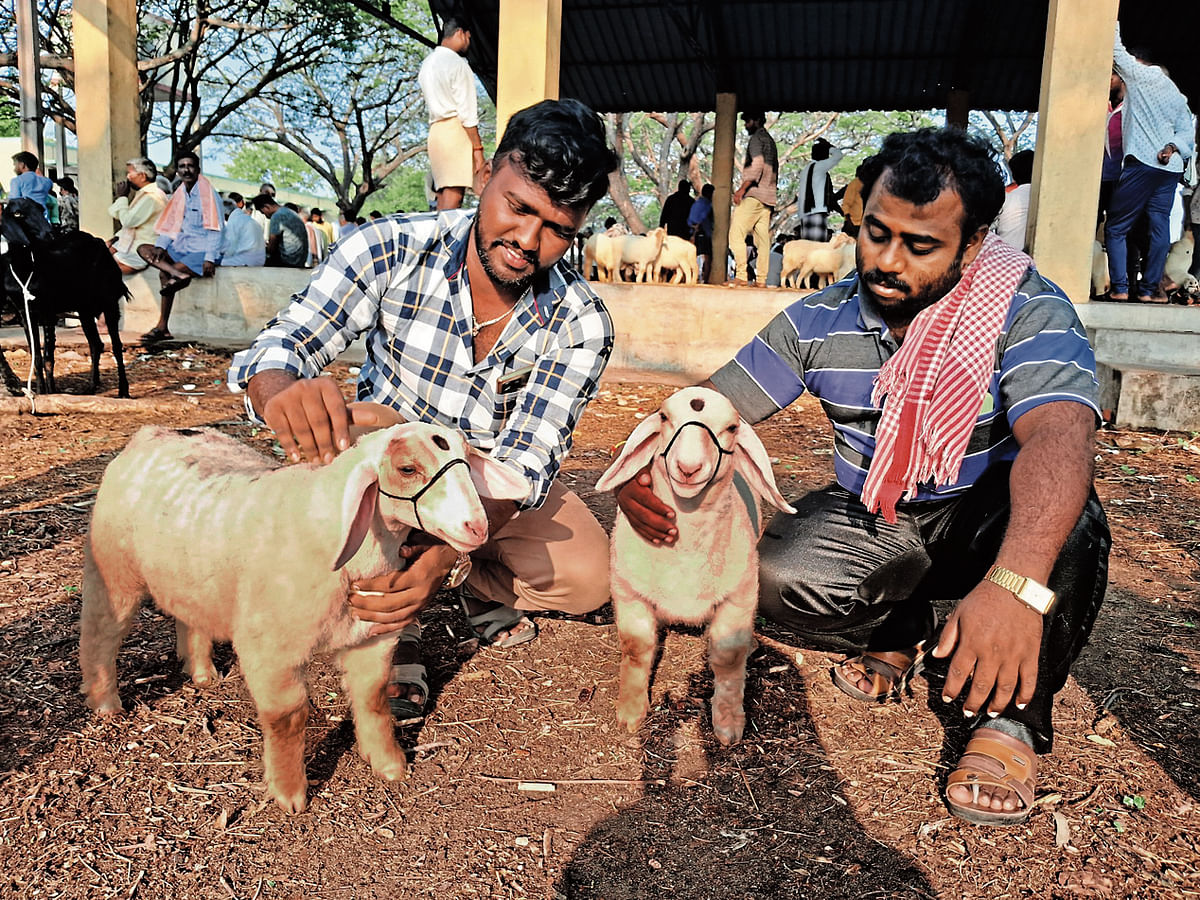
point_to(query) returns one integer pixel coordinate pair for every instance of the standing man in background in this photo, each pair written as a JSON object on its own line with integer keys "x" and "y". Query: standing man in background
{"x": 816, "y": 198}
{"x": 455, "y": 148}
{"x": 755, "y": 199}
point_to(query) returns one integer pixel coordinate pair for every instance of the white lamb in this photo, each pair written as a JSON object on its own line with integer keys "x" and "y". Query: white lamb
{"x": 679, "y": 256}
{"x": 831, "y": 260}
{"x": 603, "y": 252}
{"x": 641, "y": 252}
{"x": 240, "y": 550}
{"x": 711, "y": 573}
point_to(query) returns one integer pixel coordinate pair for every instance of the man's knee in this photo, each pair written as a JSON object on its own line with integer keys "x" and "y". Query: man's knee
{"x": 585, "y": 588}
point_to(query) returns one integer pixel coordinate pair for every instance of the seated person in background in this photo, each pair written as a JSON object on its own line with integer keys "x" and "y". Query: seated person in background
{"x": 189, "y": 238}
{"x": 991, "y": 515}
{"x": 243, "y": 244}
{"x": 29, "y": 182}
{"x": 1014, "y": 214}
{"x": 472, "y": 321}
{"x": 68, "y": 204}
{"x": 287, "y": 238}
{"x": 138, "y": 204}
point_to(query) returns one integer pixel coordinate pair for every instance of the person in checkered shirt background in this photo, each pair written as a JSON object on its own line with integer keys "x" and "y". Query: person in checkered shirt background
{"x": 473, "y": 321}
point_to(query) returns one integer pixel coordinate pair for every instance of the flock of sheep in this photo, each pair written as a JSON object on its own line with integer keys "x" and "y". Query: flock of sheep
{"x": 649, "y": 257}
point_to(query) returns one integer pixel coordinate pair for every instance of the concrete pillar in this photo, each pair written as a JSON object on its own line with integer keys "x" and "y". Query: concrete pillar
{"x": 528, "y": 55}
{"x": 106, "y": 94}
{"x": 1071, "y": 120}
{"x": 29, "y": 48}
{"x": 722, "y": 179}
{"x": 958, "y": 109}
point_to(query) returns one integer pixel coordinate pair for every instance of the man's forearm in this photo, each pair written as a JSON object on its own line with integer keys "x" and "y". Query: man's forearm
{"x": 265, "y": 385}
{"x": 1049, "y": 484}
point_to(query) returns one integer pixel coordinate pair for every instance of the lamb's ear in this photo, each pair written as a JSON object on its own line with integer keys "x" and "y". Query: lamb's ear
{"x": 751, "y": 460}
{"x": 639, "y": 450}
{"x": 358, "y": 508}
{"x": 495, "y": 480}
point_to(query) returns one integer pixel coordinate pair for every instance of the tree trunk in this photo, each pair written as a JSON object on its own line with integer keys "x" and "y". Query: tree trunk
{"x": 618, "y": 190}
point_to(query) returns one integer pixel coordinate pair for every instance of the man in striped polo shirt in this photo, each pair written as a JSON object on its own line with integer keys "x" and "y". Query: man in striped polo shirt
{"x": 1017, "y": 516}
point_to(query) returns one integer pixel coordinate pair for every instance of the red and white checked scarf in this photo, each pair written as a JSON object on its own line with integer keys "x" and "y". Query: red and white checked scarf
{"x": 935, "y": 382}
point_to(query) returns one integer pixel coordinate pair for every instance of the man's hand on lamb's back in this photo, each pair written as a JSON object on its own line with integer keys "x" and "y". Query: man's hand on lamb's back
{"x": 308, "y": 415}
{"x": 649, "y": 516}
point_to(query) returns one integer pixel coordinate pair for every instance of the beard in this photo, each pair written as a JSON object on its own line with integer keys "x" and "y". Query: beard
{"x": 504, "y": 282}
{"x": 899, "y": 313}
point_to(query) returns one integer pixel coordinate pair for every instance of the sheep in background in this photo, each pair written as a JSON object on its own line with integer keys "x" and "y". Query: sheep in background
{"x": 1179, "y": 260}
{"x": 710, "y": 575}
{"x": 679, "y": 256}
{"x": 240, "y": 550}
{"x": 603, "y": 252}
{"x": 831, "y": 260}
{"x": 641, "y": 252}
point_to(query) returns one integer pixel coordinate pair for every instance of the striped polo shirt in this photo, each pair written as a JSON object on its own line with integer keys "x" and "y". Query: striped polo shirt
{"x": 833, "y": 343}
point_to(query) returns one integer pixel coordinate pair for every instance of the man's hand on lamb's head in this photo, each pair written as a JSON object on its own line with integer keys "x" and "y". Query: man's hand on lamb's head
{"x": 649, "y": 516}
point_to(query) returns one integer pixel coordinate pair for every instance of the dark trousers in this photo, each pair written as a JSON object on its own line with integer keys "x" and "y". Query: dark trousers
{"x": 844, "y": 579}
{"x": 1140, "y": 188}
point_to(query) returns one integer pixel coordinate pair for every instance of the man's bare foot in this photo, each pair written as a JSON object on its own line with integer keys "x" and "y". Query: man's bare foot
{"x": 879, "y": 676}
{"x": 495, "y": 623}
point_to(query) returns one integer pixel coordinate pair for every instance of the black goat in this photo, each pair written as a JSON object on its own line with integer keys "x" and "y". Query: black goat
{"x": 69, "y": 273}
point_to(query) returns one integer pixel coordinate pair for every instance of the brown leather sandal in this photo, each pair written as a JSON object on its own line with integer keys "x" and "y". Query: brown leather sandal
{"x": 998, "y": 760}
{"x": 889, "y": 676}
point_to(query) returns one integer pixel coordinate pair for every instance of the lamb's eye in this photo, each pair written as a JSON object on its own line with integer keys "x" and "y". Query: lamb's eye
{"x": 732, "y": 428}
{"x": 662, "y": 416}
{"x": 408, "y": 470}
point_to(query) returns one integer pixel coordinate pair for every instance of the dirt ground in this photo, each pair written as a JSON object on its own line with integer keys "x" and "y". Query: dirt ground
{"x": 823, "y": 798}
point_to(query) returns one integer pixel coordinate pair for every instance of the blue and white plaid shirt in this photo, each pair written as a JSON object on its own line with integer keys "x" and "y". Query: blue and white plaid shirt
{"x": 404, "y": 279}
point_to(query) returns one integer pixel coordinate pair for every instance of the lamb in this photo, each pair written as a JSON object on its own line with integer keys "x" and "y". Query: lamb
{"x": 679, "y": 256}
{"x": 1179, "y": 260}
{"x": 605, "y": 253}
{"x": 711, "y": 574}
{"x": 239, "y": 550}
{"x": 641, "y": 252}
{"x": 830, "y": 260}
{"x": 1099, "y": 270}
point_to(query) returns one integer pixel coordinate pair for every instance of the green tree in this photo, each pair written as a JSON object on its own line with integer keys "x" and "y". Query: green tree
{"x": 270, "y": 162}
{"x": 10, "y": 118}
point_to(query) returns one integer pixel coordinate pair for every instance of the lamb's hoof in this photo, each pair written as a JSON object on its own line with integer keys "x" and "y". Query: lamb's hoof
{"x": 396, "y": 770}
{"x": 729, "y": 728}
{"x": 106, "y": 707}
{"x": 292, "y": 801}
{"x": 205, "y": 678}
{"x": 631, "y": 719}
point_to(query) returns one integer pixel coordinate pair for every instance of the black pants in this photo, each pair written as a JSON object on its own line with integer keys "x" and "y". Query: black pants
{"x": 844, "y": 579}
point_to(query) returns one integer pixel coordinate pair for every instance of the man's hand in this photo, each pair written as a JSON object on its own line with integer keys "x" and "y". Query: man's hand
{"x": 308, "y": 415}
{"x": 652, "y": 519}
{"x": 995, "y": 639}
{"x": 393, "y": 600}
{"x": 739, "y": 194}
{"x": 209, "y": 268}
{"x": 1165, "y": 154}
{"x": 122, "y": 188}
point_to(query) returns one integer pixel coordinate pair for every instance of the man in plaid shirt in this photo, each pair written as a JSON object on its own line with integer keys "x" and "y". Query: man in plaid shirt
{"x": 472, "y": 321}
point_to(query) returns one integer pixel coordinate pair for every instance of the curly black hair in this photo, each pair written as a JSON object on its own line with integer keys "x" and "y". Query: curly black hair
{"x": 560, "y": 146}
{"x": 921, "y": 164}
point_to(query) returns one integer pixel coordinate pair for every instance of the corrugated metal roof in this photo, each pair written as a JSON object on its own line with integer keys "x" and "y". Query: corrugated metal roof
{"x": 803, "y": 55}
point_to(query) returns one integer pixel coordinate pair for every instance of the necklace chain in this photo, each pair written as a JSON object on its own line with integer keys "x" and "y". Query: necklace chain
{"x": 476, "y": 325}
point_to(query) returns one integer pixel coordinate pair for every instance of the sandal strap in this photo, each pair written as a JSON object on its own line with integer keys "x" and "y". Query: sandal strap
{"x": 410, "y": 673}
{"x": 998, "y": 760}
{"x": 410, "y": 633}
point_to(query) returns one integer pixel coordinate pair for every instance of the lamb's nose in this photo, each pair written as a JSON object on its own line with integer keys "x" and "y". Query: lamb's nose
{"x": 687, "y": 472}
{"x": 478, "y": 530}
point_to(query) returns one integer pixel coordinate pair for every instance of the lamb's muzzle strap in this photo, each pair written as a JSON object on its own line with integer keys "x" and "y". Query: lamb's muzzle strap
{"x": 417, "y": 496}
{"x": 721, "y": 450}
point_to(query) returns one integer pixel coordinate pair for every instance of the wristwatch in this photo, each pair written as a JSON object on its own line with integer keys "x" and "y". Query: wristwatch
{"x": 461, "y": 569}
{"x": 1036, "y": 596}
